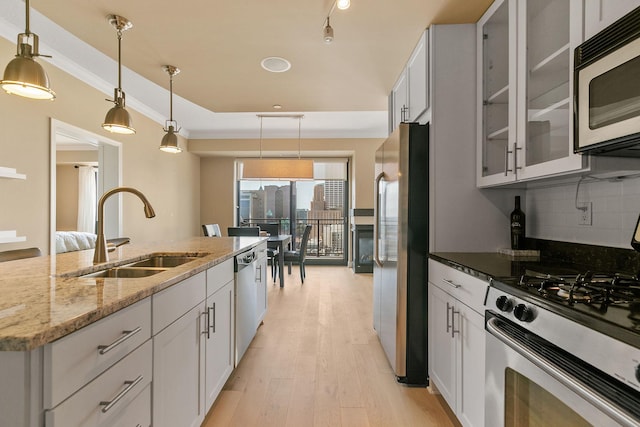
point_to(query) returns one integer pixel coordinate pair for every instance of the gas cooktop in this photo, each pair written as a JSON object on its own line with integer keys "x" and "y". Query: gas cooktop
{"x": 606, "y": 302}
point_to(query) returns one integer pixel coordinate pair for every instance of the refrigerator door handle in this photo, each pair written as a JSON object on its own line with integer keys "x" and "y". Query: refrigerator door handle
{"x": 376, "y": 220}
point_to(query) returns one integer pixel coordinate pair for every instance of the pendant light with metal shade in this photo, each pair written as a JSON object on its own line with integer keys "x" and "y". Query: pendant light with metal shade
{"x": 118, "y": 119}
{"x": 23, "y": 75}
{"x": 169, "y": 142}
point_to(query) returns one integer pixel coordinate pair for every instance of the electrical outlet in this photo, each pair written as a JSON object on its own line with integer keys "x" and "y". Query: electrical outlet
{"x": 584, "y": 213}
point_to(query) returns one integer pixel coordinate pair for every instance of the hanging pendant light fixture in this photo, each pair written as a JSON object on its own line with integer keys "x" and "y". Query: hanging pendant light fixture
{"x": 118, "y": 119}
{"x": 23, "y": 75}
{"x": 169, "y": 142}
{"x": 277, "y": 168}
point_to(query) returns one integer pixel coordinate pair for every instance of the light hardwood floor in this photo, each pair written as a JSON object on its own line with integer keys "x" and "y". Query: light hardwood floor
{"x": 316, "y": 361}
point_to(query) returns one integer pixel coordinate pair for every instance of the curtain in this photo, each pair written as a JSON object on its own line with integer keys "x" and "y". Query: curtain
{"x": 87, "y": 198}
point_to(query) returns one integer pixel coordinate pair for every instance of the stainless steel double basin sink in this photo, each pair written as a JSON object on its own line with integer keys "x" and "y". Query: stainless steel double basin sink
{"x": 147, "y": 267}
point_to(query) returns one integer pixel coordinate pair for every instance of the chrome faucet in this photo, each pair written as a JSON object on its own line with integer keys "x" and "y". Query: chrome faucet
{"x": 100, "y": 254}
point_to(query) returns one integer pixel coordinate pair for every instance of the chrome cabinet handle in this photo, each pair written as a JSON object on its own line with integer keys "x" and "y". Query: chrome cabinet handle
{"x": 454, "y": 331}
{"x": 515, "y": 157}
{"x": 608, "y": 407}
{"x": 213, "y": 317}
{"x": 102, "y": 349}
{"x": 207, "y": 329}
{"x": 450, "y": 283}
{"x": 129, "y": 386}
{"x": 448, "y": 324}
{"x": 506, "y": 160}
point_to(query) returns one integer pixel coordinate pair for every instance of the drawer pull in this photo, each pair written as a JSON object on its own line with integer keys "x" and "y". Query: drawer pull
{"x": 450, "y": 283}
{"x": 127, "y": 334}
{"x": 129, "y": 385}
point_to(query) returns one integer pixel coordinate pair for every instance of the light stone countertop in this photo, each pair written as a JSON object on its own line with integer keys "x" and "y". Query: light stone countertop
{"x": 38, "y": 304}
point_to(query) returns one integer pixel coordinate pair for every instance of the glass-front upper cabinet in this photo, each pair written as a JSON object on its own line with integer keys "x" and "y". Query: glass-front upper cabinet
{"x": 497, "y": 88}
{"x": 525, "y": 66}
{"x": 545, "y": 115}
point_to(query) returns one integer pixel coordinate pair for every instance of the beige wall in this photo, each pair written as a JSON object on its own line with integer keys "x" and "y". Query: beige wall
{"x": 217, "y": 178}
{"x": 171, "y": 182}
{"x": 66, "y": 197}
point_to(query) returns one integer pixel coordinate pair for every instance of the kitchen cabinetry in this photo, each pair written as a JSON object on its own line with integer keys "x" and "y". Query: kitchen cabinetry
{"x": 457, "y": 340}
{"x": 599, "y": 14}
{"x": 107, "y": 362}
{"x": 192, "y": 346}
{"x": 525, "y": 90}
{"x": 409, "y": 97}
{"x": 219, "y": 349}
{"x": 178, "y": 354}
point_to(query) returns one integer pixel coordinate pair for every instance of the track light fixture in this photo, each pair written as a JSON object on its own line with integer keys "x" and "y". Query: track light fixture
{"x": 169, "y": 142}
{"x": 118, "y": 119}
{"x": 328, "y": 32}
{"x": 23, "y": 75}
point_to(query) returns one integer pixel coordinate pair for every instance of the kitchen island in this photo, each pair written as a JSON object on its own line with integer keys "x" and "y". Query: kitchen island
{"x": 87, "y": 350}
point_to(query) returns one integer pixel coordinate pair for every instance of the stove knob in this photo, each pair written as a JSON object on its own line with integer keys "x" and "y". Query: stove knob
{"x": 523, "y": 313}
{"x": 504, "y": 303}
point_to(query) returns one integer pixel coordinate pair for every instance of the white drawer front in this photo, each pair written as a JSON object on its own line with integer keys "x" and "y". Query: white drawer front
{"x": 126, "y": 385}
{"x": 463, "y": 287}
{"x": 74, "y": 360}
{"x": 173, "y": 302}
{"x": 219, "y": 276}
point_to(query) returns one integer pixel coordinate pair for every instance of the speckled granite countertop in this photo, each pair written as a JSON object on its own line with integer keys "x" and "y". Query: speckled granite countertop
{"x": 40, "y": 303}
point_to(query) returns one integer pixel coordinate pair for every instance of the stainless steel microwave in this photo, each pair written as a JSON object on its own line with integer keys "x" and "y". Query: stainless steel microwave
{"x": 607, "y": 90}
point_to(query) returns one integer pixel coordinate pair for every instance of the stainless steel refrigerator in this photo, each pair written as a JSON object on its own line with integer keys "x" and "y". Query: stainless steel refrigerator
{"x": 401, "y": 245}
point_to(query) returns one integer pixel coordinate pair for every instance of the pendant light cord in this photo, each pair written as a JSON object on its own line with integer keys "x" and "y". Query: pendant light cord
{"x": 26, "y": 30}
{"x": 299, "y": 127}
{"x": 119, "y": 60}
{"x": 260, "y": 137}
{"x": 171, "y": 97}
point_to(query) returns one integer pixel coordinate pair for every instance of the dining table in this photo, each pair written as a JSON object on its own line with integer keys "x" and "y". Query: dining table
{"x": 279, "y": 241}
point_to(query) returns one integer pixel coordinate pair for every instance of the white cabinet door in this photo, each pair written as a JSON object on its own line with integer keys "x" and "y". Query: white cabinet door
{"x": 400, "y": 97}
{"x": 418, "y": 79}
{"x": 599, "y": 14}
{"x": 442, "y": 348}
{"x": 470, "y": 357}
{"x": 497, "y": 94}
{"x": 219, "y": 343}
{"x": 262, "y": 278}
{"x": 178, "y": 353}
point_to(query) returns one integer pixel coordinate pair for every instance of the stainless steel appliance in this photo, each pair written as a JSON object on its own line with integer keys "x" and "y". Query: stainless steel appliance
{"x": 607, "y": 94}
{"x": 563, "y": 347}
{"x": 246, "y": 301}
{"x": 401, "y": 243}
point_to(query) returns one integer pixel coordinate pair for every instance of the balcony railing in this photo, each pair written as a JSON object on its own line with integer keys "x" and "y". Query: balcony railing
{"x": 327, "y": 238}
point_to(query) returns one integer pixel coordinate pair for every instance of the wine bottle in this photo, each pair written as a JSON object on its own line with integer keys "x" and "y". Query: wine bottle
{"x": 517, "y": 226}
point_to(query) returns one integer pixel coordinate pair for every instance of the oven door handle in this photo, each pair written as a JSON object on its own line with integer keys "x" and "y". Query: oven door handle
{"x": 606, "y": 406}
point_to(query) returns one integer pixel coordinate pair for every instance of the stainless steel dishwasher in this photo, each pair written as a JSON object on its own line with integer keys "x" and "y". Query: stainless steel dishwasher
{"x": 246, "y": 300}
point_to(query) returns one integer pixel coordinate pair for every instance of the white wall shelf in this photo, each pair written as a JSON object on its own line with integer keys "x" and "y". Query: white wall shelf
{"x": 9, "y": 236}
{"x": 11, "y": 173}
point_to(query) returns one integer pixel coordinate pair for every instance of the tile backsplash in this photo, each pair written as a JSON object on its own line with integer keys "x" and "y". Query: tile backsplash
{"x": 551, "y": 212}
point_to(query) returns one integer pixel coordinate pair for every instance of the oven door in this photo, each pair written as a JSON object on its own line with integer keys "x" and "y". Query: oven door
{"x": 527, "y": 385}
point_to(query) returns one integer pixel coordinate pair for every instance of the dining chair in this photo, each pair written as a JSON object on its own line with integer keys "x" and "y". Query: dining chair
{"x": 300, "y": 255}
{"x": 243, "y": 231}
{"x": 211, "y": 230}
{"x": 273, "y": 228}
{"x": 19, "y": 254}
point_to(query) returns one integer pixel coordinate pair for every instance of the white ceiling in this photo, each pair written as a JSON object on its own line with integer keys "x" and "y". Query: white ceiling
{"x": 341, "y": 87}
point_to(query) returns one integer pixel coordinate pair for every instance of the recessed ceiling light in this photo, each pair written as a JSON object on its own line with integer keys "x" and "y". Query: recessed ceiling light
{"x": 277, "y": 106}
{"x": 275, "y": 64}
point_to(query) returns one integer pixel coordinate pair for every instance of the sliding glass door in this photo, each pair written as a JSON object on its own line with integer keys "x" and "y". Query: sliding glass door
{"x": 321, "y": 203}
